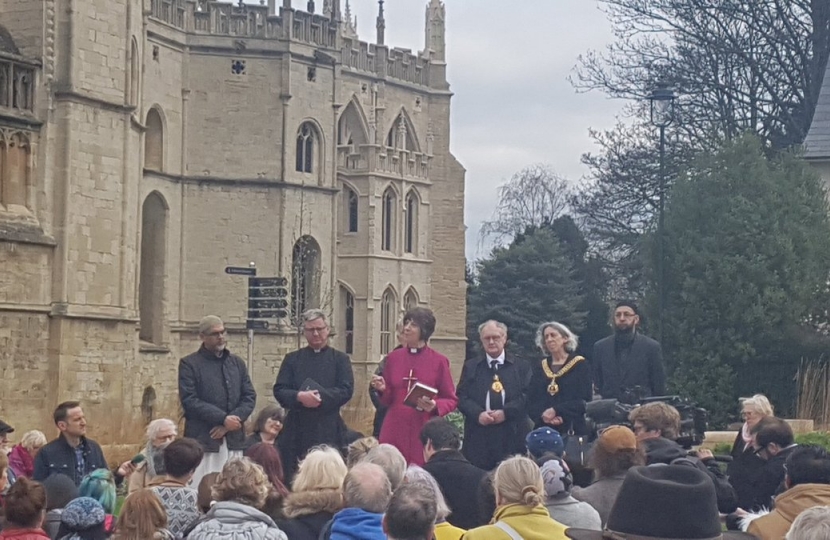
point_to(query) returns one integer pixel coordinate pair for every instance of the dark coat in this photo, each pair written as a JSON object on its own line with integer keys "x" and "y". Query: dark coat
{"x": 770, "y": 480}
{"x": 744, "y": 471}
{"x": 487, "y": 446}
{"x": 668, "y": 452}
{"x": 380, "y": 408}
{"x": 210, "y": 389}
{"x": 58, "y": 457}
{"x": 460, "y": 482}
{"x": 644, "y": 368}
{"x": 574, "y": 393}
{"x": 306, "y": 527}
{"x": 309, "y": 427}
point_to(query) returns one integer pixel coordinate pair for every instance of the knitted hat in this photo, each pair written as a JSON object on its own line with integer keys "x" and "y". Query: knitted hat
{"x": 60, "y": 489}
{"x": 617, "y": 438}
{"x": 557, "y": 478}
{"x": 83, "y": 513}
{"x": 544, "y": 439}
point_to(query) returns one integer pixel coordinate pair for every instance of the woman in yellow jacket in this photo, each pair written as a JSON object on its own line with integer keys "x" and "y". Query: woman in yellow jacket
{"x": 520, "y": 511}
{"x": 443, "y": 529}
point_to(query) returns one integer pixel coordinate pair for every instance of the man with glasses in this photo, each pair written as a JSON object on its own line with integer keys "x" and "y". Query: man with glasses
{"x": 217, "y": 397}
{"x": 628, "y": 361}
{"x": 312, "y": 385}
{"x": 492, "y": 396}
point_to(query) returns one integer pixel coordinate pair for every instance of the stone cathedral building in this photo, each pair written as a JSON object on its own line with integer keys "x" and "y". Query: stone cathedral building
{"x": 145, "y": 145}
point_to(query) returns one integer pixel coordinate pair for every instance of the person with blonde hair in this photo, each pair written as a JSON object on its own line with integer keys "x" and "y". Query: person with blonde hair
{"x": 240, "y": 492}
{"x": 142, "y": 517}
{"x": 160, "y": 432}
{"x": 746, "y": 467}
{"x": 317, "y": 494}
{"x": 358, "y": 450}
{"x": 22, "y": 456}
{"x": 520, "y": 509}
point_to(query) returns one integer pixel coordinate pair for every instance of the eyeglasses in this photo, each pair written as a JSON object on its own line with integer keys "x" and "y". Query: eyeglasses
{"x": 218, "y": 333}
{"x": 315, "y": 330}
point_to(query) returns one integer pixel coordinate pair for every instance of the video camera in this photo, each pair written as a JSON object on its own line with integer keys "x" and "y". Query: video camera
{"x": 603, "y": 413}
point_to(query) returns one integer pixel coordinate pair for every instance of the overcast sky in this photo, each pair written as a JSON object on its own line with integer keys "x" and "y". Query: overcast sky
{"x": 508, "y": 64}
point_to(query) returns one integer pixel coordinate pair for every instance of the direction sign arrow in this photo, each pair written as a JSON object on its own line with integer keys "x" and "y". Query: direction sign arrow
{"x": 268, "y": 282}
{"x": 271, "y": 303}
{"x": 240, "y": 271}
{"x": 267, "y": 314}
{"x": 256, "y": 325}
{"x": 269, "y": 292}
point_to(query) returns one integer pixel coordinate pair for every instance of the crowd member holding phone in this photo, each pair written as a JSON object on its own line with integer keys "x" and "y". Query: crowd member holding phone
{"x": 312, "y": 385}
{"x": 217, "y": 397}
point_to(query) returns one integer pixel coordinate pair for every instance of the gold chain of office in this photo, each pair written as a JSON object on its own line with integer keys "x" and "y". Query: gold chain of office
{"x": 553, "y": 387}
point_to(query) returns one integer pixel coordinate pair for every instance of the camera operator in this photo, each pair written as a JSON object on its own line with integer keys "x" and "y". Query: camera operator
{"x": 628, "y": 359}
{"x": 656, "y": 426}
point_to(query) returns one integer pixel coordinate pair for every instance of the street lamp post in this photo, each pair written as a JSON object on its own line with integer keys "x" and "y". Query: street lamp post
{"x": 661, "y": 114}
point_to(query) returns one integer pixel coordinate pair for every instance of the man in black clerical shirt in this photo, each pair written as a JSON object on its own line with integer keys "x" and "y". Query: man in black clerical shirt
{"x": 312, "y": 384}
{"x": 492, "y": 396}
{"x": 628, "y": 359}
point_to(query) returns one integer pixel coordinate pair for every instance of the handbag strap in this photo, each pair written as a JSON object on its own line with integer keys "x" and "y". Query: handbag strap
{"x": 511, "y": 532}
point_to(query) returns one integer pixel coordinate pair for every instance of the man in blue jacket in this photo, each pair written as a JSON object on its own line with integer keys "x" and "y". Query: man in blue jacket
{"x": 72, "y": 454}
{"x": 217, "y": 397}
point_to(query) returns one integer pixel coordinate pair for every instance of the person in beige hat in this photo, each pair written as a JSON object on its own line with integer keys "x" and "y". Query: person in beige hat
{"x": 614, "y": 452}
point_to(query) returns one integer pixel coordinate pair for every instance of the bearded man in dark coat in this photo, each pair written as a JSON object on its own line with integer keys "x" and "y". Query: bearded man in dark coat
{"x": 217, "y": 397}
{"x": 492, "y": 396}
{"x": 628, "y": 360}
{"x": 312, "y": 385}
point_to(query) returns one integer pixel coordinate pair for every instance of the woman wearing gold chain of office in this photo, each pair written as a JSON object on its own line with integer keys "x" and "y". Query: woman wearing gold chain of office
{"x": 561, "y": 381}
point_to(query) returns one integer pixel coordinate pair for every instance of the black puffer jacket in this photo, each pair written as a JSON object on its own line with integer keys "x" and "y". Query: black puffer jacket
{"x": 210, "y": 388}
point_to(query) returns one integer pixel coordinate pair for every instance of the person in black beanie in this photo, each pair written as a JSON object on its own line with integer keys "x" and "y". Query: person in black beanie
{"x": 627, "y": 361}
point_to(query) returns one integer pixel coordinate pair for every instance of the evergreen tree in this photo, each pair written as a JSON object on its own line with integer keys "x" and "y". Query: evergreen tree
{"x": 525, "y": 284}
{"x": 747, "y": 258}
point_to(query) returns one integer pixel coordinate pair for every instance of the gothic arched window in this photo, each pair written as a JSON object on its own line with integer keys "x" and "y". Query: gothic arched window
{"x": 388, "y": 309}
{"x": 307, "y": 148}
{"x": 387, "y": 236}
{"x": 352, "y": 210}
{"x": 154, "y": 141}
{"x": 411, "y": 233}
{"x": 348, "y": 320}
{"x": 152, "y": 269}
{"x": 305, "y": 275}
{"x": 410, "y": 300}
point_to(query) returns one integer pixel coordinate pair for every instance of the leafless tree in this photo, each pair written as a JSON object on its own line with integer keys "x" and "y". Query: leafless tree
{"x": 533, "y": 197}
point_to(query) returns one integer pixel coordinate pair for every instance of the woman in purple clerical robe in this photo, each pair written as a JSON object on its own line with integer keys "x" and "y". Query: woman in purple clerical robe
{"x": 414, "y": 363}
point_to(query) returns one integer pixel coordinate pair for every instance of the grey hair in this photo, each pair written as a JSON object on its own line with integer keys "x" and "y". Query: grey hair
{"x": 500, "y": 325}
{"x": 367, "y": 487}
{"x": 811, "y": 524}
{"x": 156, "y": 425}
{"x": 33, "y": 439}
{"x": 209, "y": 322}
{"x": 416, "y": 474}
{"x": 572, "y": 339}
{"x": 759, "y": 403}
{"x": 314, "y": 314}
{"x": 390, "y": 460}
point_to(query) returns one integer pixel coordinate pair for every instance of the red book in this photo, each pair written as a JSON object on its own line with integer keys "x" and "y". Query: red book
{"x": 418, "y": 391}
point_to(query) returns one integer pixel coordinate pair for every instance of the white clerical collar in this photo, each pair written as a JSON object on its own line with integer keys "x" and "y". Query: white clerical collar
{"x": 499, "y": 360}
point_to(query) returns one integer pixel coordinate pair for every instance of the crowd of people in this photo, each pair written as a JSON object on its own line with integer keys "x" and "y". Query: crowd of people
{"x": 295, "y": 471}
